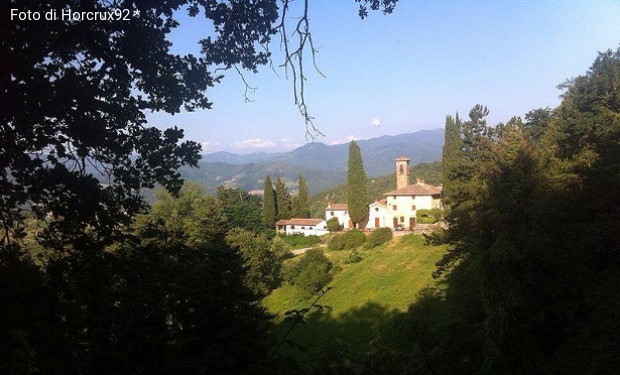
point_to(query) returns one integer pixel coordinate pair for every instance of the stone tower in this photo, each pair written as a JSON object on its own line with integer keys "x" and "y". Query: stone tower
{"x": 402, "y": 172}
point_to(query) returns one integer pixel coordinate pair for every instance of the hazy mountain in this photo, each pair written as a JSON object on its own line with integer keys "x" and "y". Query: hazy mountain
{"x": 378, "y": 153}
{"x": 322, "y": 165}
{"x": 252, "y": 176}
{"x": 232, "y": 158}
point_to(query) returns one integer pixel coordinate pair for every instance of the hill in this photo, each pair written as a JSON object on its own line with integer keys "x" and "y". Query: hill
{"x": 364, "y": 298}
{"x": 323, "y": 166}
{"x": 252, "y": 176}
{"x": 430, "y": 172}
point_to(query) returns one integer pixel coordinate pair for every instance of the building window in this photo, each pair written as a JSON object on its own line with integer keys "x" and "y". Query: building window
{"x": 413, "y": 208}
{"x": 310, "y": 228}
{"x": 332, "y": 213}
{"x": 292, "y": 227}
{"x": 377, "y": 209}
{"x": 402, "y": 219}
{"x": 303, "y": 227}
{"x": 394, "y": 207}
{"x": 394, "y": 197}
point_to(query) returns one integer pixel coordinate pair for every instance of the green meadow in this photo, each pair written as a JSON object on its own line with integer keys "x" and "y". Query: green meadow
{"x": 363, "y": 299}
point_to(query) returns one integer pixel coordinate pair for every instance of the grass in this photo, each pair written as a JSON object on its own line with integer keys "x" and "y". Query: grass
{"x": 364, "y": 298}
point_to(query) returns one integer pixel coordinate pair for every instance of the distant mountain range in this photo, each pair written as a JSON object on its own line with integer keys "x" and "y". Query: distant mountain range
{"x": 323, "y": 166}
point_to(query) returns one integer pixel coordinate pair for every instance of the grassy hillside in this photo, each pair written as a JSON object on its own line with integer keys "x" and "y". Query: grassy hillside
{"x": 364, "y": 298}
{"x": 430, "y": 172}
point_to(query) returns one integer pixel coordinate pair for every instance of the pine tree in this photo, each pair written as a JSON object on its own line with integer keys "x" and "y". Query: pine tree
{"x": 451, "y": 154}
{"x": 269, "y": 204}
{"x": 357, "y": 196}
{"x": 301, "y": 203}
{"x": 283, "y": 200}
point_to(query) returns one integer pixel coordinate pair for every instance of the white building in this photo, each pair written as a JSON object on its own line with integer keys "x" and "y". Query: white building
{"x": 307, "y": 227}
{"x": 378, "y": 214}
{"x": 399, "y": 207}
{"x": 403, "y": 203}
{"x": 340, "y": 211}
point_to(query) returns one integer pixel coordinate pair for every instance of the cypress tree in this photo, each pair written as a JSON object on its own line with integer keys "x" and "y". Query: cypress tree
{"x": 283, "y": 200}
{"x": 357, "y": 196}
{"x": 269, "y": 204}
{"x": 451, "y": 154}
{"x": 301, "y": 204}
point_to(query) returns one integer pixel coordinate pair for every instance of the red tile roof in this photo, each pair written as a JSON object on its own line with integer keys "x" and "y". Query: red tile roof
{"x": 381, "y": 202}
{"x": 297, "y": 221}
{"x": 338, "y": 206}
{"x": 419, "y": 188}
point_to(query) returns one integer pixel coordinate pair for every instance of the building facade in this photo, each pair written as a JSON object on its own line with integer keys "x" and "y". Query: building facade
{"x": 307, "y": 227}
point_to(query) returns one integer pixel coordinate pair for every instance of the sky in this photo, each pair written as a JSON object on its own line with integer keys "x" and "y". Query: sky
{"x": 403, "y": 72}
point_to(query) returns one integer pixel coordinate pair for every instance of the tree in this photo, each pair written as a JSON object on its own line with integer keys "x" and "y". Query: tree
{"x": 451, "y": 154}
{"x": 357, "y": 196}
{"x": 242, "y": 210}
{"x": 261, "y": 262}
{"x": 301, "y": 203}
{"x": 269, "y": 204}
{"x": 75, "y": 144}
{"x": 283, "y": 200}
{"x": 333, "y": 225}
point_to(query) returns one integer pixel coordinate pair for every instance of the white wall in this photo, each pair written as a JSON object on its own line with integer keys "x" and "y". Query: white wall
{"x": 343, "y": 217}
{"x": 377, "y": 212}
{"x": 317, "y": 230}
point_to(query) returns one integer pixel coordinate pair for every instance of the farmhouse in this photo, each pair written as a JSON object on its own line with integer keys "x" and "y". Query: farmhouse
{"x": 340, "y": 211}
{"x": 307, "y": 227}
{"x": 403, "y": 203}
{"x": 399, "y": 207}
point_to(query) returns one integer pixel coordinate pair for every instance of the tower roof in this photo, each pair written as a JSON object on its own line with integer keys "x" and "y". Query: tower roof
{"x": 402, "y": 158}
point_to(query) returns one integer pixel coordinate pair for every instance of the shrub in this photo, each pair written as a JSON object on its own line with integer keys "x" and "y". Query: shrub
{"x": 312, "y": 271}
{"x": 280, "y": 248}
{"x": 338, "y": 242}
{"x": 354, "y": 257}
{"x": 333, "y": 225}
{"x": 354, "y": 238}
{"x": 378, "y": 237}
{"x": 428, "y": 216}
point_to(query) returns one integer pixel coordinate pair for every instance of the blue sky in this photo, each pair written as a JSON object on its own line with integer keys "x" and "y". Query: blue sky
{"x": 404, "y": 72}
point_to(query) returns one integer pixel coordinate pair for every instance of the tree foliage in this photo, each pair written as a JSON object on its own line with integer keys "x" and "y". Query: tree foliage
{"x": 301, "y": 202}
{"x": 283, "y": 200}
{"x": 451, "y": 154}
{"x": 269, "y": 204}
{"x": 357, "y": 196}
{"x": 262, "y": 265}
{"x": 242, "y": 210}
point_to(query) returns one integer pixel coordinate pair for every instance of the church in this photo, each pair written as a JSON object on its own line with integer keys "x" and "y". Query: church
{"x": 399, "y": 207}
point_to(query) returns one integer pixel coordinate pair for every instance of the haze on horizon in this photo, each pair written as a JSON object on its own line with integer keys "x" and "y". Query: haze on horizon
{"x": 404, "y": 72}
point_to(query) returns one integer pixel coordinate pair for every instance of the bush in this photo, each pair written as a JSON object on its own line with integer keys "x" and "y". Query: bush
{"x": 312, "y": 272}
{"x": 338, "y": 242}
{"x": 354, "y": 238}
{"x": 354, "y": 257}
{"x": 428, "y": 216}
{"x": 333, "y": 225}
{"x": 299, "y": 241}
{"x": 378, "y": 237}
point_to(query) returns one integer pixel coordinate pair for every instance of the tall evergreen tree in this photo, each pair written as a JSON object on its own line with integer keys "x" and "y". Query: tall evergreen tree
{"x": 283, "y": 200}
{"x": 269, "y": 204}
{"x": 451, "y": 154}
{"x": 357, "y": 195}
{"x": 301, "y": 203}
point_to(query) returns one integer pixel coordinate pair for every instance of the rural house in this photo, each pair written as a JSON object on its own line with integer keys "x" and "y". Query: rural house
{"x": 307, "y": 227}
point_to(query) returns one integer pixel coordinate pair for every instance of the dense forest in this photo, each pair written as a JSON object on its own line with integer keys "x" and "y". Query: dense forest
{"x": 94, "y": 281}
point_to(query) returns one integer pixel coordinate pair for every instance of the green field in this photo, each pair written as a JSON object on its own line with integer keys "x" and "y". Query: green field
{"x": 364, "y": 298}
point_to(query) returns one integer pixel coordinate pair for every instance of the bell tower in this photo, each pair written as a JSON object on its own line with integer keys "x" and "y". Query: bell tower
{"x": 402, "y": 172}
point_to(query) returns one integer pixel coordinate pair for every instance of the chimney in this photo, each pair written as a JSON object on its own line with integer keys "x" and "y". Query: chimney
{"x": 417, "y": 181}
